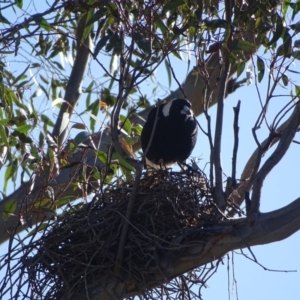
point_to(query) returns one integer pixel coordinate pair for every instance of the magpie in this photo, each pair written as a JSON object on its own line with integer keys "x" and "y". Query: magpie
{"x": 173, "y": 130}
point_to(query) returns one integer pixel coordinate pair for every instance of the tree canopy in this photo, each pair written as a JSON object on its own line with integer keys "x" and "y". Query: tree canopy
{"x": 77, "y": 81}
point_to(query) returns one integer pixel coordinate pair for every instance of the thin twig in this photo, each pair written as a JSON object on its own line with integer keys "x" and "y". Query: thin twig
{"x": 254, "y": 259}
{"x": 219, "y": 195}
{"x": 209, "y": 131}
{"x": 123, "y": 94}
{"x": 152, "y": 132}
{"x": 236, "y": 110}
{"x": 74, "y": 84}
{"x": 121, "y": 246}
{"x": 283, "y": 112}
{"x": 174, "y": 76}
{"x": 251, "y": 168}
{"x": 261, "y": 116}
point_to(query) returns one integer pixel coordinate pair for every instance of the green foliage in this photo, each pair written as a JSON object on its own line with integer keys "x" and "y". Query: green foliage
{"x": 261, "y": 68}
{"x": 116, "y": 27}
{"x": 129, "y": 42}
{"x": 81, "y": 137}
{"x": 125, "y": 124}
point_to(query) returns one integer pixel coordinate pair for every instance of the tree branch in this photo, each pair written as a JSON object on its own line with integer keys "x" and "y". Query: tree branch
{"x": 248, "y": 176}
{"x": 64, "y": 184}
{"x": 231, "y": 235}
{"x": 73, "y": 90}
{"x": 219, "y": 194}
{"x": 122, "y": 96}
{"x": 236, "y": 110}
{"x": 283, "y": 145}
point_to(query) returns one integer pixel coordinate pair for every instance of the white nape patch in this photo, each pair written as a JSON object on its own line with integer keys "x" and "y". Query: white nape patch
{"x": 186, "y": 111}
{"x": 167, "y": 107}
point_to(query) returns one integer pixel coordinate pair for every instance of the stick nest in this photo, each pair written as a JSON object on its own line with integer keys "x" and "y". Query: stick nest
{"x": 81, "y": 247}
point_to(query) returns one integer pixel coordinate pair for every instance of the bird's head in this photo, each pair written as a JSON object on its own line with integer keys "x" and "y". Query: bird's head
{"x": 177, "y": 108}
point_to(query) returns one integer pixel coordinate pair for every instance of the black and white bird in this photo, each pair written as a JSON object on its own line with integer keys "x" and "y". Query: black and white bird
{"x": 174, "y": 136}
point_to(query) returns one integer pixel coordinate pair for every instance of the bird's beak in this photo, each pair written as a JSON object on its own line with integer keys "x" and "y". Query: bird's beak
{"x": 186, "y": 111}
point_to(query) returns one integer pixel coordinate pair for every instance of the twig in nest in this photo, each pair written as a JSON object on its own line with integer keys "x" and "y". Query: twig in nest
{"x": 145, "y": 232}
{"x": 135, "y": 189}
{"x": 123, "y": 93}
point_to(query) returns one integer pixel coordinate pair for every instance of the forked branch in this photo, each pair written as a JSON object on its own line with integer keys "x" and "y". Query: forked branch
{"x": 287, "y": 136}
{"x": 250, "y": 175}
